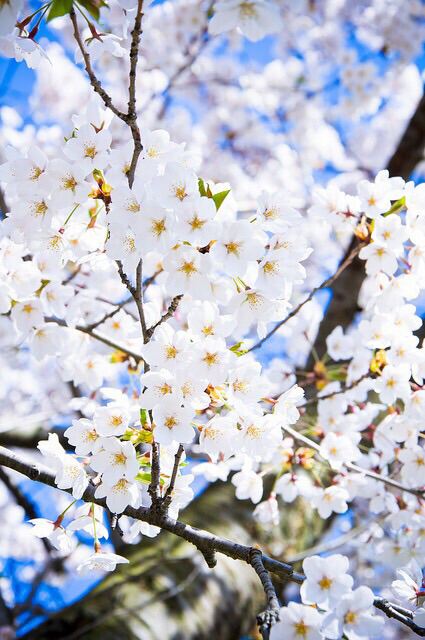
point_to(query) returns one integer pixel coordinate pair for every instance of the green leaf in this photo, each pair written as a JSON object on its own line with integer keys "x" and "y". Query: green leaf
{"x": 396, "y": 207}
{"x": 219, "y": 198}
{"x": 237, "y": 350}
{"x": 143, "y": 417}
{"x": 93, "y": 7}
{"x": 201, "y": 187}
{"x": 59, "y": 8}
{"x": 206, "y": 192}
{"x": 145, "y": 477}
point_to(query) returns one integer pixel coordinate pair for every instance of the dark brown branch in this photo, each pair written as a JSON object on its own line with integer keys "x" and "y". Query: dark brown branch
{"x": 154, "y": 485}
{"x": 169, "y": 492}
{"x": 343, "y": 389}
{"x": 206, "y": 542}
{"x": 168, "y": 314}
{"x": 393, "y": 611}
{"x": 100, "y": 338}
{"x": 270, "y": 616}
{"x": 138, "y": 299}
{"x": 201, "y": 539}
{"x": 132, "y": 113}
{"x": 125, "y": 279}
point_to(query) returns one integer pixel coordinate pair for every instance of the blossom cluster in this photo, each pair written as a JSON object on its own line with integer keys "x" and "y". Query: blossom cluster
{"x": 152, "y": 289}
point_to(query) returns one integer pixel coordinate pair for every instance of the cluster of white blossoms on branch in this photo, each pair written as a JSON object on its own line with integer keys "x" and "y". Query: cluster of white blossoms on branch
{"x": 152, "y": 289}
{"x": 192, "y": 381}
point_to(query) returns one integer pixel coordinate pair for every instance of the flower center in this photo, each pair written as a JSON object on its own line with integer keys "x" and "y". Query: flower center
{"x": 350, "y": 617}
{"x": 270, "y": 214}
{"x": 325, "y": 583}
{"x": 158, "y": 227}
{"x": 248, "y": 10}
{"x": 188, "y": 268}
{"x": 208, "y": 330}
{"x": 37, "y": 171}
{"x": 253, "y": 431}
{"x": 270, "y": 267}
{"x": 69, "y": 183}
{"x": 301, "y": 629}
{"x": 130, "y": 244}
{"x": 164, "y": 389}
{"x": 133, "y": 206}
{"x": 170, "y": 422}
{"x": 119, "y": 458}
{"x": 210, "y": 359}
{"x": 232, "y": 247}
{"x": 121, "y": 485}
{"x": 40, "y": 208}
{"x": 90, "y": 151}
{"x": 170, "y": 352}
{"x": 180, "y": 192}
{"x": 196, "y": 223}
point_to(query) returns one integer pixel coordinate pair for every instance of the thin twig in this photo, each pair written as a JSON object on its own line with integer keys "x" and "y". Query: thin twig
{"x": 109, "y": 315}
{"x": 94, "y": 81}
{"x": 147, "y": 283}
{"x": 326, "y": 396}
{"x": 323, "y": 285}
{"x": 99, "y": 337}
{"x": 169, "y": 492}
{"x": 138, "y": 299}
{"x": 167, "y": 315}
{"x": 353, "y": 467}
{"x": 4, "y": 208}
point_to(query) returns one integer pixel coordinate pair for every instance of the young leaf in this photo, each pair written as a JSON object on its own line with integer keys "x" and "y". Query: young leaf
{"x": 59, "y": 8}
{"x": 219, "y": 198}
{"x": 93, "y": 7}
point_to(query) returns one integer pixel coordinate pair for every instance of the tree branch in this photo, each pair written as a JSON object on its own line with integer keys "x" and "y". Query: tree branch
{"x": 111, "y": 314}
{"x": 4, "y": 208}
{"x": 167, "y": 315}
{"x": 393, "y": 611}
{"x": 169, "y": 492}
{"x": 99, "y": 337}
{"x": 270, "y": 616}
{"x": 353, "y": 467}
{"x": 132, "y": 114}
{"x": 94, "y": 81}
{"x": 154, "y": 485}
{"x": 203, "y": 540}
{"x": 207, "y": 543}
